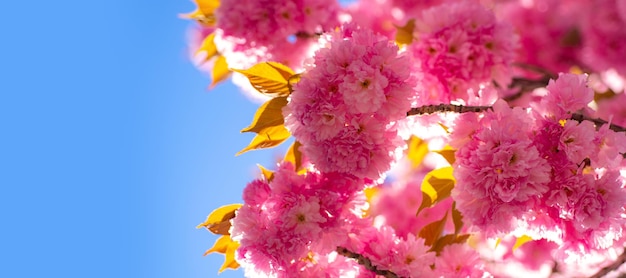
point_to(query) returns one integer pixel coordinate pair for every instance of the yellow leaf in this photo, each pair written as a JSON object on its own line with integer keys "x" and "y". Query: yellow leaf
{"x": 436, "y": 186}
{"x": 404, "y": 34}
{"x": 521, "y": 240}
{"x": 267, "y": 138}
{"x": 370, "y": 193}
{"x": 292, "y": 81}
{"x": 208, "y": 47}
{"x": 457, "y": 219}
{"x": 204, "y": 13}
{"x": 448, "y": 153}
{"x": 448, "y": 240}
{"x": 220, "y": 71}
{"x": 606, "y": 95}
{"x": 268, "y": 115}
{"x": 224, "y": 245}
{"x": 269, "y": 78}
{"x": 445, "y": 128}
{"x": 417, "y": 150}
{"x": 431, "y": 232}
{"x": 218, "y": 222}
{"x": 267, "y": 174}
{"x": 294, "y": 155}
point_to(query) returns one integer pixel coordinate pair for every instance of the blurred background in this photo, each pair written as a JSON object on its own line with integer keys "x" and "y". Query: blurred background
{"x": 112, "y": 147}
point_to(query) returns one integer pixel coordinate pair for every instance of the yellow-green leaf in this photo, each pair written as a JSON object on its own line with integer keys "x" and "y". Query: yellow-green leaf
{"x": 269, "y": 78}
{"x": 417, "y": 150}
{"x": 431, "y": 232}
{"x": 220, "y": 71}
{"x": 208, "y": 48}
{"x": 294, "y": 155}
{"x": 225, "y": 245}
{"x": 404, "y": 34}
{"x": 218, "y": 222}
{"x": 448, "y": 153}
{"x": 267, "y": 138}
{"x": 520, "y": 241}
{"x": 268, "y": 115}
{"x": 436, "y": 186}
{"x": 267, "y": 174}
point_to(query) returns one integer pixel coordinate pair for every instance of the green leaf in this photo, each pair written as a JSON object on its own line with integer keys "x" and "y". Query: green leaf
{"x": 431, "y": 232}
{"x": 436, "y": 186}
{"x": 267, "y": 138}
{"x": 268, "y": 115}
{"x": 220, "y": 71}
{"x": 417, "y": 150}
{"x": 225, "y": 245}
{"x": 218, "y": 222}
{"x": 269, "y": 78}
{"x": 294, "y": 155}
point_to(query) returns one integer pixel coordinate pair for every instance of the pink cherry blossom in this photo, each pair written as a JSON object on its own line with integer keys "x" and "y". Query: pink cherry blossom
{"x": 460, "y": 46}
{"x": 344, "y": 105}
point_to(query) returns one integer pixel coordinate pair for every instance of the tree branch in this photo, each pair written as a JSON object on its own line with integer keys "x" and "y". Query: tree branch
{"x": 599, "y": 122}
{"x": 429, "y": 109}
{"x": 615, "y": 265}
{"x": 362, "y": 260}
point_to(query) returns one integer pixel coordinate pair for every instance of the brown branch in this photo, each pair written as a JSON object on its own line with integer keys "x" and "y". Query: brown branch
{"x": 534, "y": 68}
{"x": 429, "y": 109}
{"x": 615, "y": 265}
{"x": 362, "y": 260}
{"x": 599, "y": 122}
{"x": 526, "y": 85}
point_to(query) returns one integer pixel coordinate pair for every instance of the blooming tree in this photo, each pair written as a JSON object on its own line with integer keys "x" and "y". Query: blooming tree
{"x": 433, "y": 138}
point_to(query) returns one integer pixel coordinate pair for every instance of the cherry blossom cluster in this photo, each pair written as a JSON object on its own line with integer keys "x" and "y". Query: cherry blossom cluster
{"x": 528, "y": 114}
{"x": 544, "y": 175}
{"x": 461, "y": 48}
{"x": 559, "y": 34}
{"x": 293, "y": 220}
{"x": 342, "y": 108}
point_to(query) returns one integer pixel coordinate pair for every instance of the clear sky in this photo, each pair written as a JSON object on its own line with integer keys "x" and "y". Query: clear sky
{"x": 112, "y": 149}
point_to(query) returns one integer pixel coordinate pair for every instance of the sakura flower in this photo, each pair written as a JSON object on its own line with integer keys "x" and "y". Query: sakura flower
{"x": 459, "y": 260}
{"x": 343, "y": 108}
{"x": 461, "y": 46}
{"x": 499, "y": 171}
{"x": 567, "y": 94}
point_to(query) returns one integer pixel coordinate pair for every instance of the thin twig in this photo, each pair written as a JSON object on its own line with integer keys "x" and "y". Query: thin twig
{"x": 534, "y": 68}
{"x": 362, "y": 260}
{"x": 615, "y": 265}
{"x": 526, "y": 85}
{"x": 599, "y": 122}
{"x": 429, "y": 109}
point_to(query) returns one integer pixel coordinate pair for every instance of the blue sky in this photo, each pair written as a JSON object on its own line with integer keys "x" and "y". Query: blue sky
{"x": 112, "y": 148}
